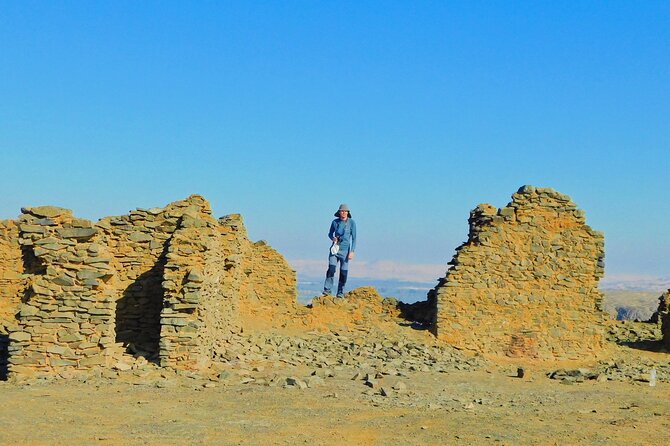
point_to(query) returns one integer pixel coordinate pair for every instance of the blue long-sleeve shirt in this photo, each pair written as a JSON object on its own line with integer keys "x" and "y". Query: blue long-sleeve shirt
{"x": 346, "y": 231}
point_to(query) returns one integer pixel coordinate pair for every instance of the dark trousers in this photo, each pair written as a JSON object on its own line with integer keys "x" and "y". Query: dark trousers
{"x": 333, "y": 260}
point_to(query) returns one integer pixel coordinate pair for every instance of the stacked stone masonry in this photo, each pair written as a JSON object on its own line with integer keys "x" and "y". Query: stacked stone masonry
{"x": 525, "y": 284}
{"x": 664, "y": 317}
{"x": 163, "y": 283}
{"x": 12, "y": 283}
{"x": 173, "y": 285}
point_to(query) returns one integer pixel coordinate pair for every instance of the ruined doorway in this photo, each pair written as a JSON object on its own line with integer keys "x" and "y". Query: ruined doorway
{"x": 138, "y": 313}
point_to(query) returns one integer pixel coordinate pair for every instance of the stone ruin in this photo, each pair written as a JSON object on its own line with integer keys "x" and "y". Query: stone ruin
{"x": 525, "y": 284}
{"x": 176, "y": 286}
{"x": 164, "y": 283}
{"x": 663, "y": 317}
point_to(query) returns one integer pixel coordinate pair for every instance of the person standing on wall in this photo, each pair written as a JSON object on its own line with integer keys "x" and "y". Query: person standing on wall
{"x": 343, "y": 235}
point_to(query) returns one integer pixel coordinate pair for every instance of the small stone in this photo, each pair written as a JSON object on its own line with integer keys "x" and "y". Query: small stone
{"x": 195, "y": 276}
{"x": 314, "y": 381}
{"x": 46, "y": 211}
{"x": 78, "y": 233}
{"x": 28, "y": 310}
{"x": 89, "y": 274}
{"x": 63, "y": 280}
{"x": 63, "y": 362}
{"x": 122, "y": 366}
{"x": 97, "y": 262}
{"x": 19, "y": 336}
{"x": 45, "y": 222}
{"x": 39, "y": 289}
{"x": 295, "y": 382}
{"x": 506, "y": 212}
{"x": 37, "y": 229}
{"x": 140, "y": 237}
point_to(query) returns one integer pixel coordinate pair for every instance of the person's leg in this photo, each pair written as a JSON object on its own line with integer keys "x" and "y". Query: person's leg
{"x": 330, "y": 274}
{"x": 344, "y": 271}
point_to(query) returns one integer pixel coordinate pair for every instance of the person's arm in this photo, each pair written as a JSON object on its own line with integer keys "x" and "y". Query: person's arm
{"x": 331, "y": 232}
{"x": 353, "y": 239}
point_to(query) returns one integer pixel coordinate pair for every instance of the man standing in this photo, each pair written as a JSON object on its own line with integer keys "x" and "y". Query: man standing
{"x": 343, "y": 235}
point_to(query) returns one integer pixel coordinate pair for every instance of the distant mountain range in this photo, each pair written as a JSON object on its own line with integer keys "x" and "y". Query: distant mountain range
{"x": 635, "y": 283}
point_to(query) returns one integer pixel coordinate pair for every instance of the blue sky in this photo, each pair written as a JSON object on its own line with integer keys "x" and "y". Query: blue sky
{"x": 410, "y": 112}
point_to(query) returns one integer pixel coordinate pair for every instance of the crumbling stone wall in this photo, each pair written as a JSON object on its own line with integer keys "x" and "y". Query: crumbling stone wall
{"x": 138, "y": 243}
{"x": 237, "y": 264}
{"x": 11, "y": 269}
{"x": 165, "y": 284}
{"x": 268, "y": 280}
{"x": 266, "y": 284}
{"x": 663, "y": 315}
{"x": 526, "y": 281}
{"x": 12, "y": 283}
{"x": 191, "y": 297}
{"x": 65, "y": 317}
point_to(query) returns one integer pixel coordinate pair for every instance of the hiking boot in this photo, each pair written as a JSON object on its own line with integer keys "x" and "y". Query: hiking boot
{"x": 340, "y": 295}
{"x": 325, "y": 293}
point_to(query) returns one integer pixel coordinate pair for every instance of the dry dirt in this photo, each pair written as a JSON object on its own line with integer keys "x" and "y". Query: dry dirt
{"x": 307, "y": 384}
{"x": 477, "y": 407}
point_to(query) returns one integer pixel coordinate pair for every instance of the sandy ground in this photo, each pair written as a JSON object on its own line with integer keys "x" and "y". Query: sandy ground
{"x": 477, "y": 407}
{"x": 246, "y": 401}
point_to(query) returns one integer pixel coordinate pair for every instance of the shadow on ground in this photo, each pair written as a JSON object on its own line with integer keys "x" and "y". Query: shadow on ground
{"x": 649, "y": 345}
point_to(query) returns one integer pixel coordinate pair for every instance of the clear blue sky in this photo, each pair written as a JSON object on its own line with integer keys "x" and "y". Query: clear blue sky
{"x": 410, "y": 112}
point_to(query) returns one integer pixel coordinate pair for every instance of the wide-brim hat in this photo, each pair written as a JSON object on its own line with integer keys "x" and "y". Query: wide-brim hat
{"x": 343, "y": 207}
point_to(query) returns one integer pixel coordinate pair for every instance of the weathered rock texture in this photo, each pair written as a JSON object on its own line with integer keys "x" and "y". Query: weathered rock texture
{"x": 663, "y": 315}
{"x": 164, "y": 283}
{"x": 526, "y": 281}
{"x": 12, "y": 282}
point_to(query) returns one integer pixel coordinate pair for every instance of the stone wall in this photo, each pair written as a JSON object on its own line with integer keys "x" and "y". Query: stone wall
{"x": 66, "y": 319}
{"x": 663, "y": 315}
{"x": 265, "y": 284}
{"x": 267, "y": 281}
{"x": 138, "y": 243}
{"x": 12, "y": 283}
{"x": 526, "y": 281}
{"x": 162, "y": 283}
{"x": 12, "y": 279}
{"x": 237, "y": 263}
{"x": 190, "y": 296}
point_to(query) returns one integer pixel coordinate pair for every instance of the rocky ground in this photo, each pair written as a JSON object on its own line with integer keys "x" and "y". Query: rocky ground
{"x": 352, "y": 371}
